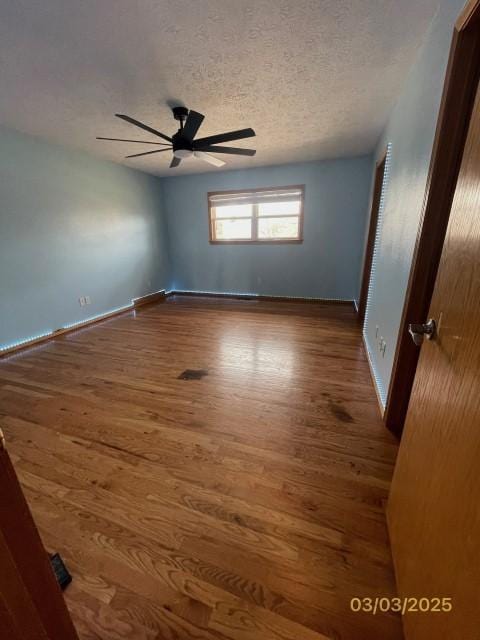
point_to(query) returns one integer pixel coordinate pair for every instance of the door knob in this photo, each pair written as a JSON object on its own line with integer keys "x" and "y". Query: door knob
{"x": 421, "y": 331}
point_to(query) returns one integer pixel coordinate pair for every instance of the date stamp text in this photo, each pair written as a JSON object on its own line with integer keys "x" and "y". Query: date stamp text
{"x": 401, "y": 605}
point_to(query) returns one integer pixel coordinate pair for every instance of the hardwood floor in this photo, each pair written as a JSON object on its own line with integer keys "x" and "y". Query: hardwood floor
{"x": 247, "y": 504}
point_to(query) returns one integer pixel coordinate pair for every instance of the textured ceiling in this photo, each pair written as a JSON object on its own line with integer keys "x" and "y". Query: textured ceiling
{"x": 314, "y": 78}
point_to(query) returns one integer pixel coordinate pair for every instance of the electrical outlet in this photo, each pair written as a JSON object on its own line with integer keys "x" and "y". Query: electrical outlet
{"x": 88, "y": 300}
{"x": 81, "y": 301}
{"x": 383, "y": 347}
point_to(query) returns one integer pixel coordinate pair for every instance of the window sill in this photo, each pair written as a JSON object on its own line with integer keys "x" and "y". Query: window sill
{"x": 299, "y": 241}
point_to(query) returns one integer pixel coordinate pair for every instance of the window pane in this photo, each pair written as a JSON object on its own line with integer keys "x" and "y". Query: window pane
{"x": 240, "y": 229}
{"x": 279, "y": 208}
{"x": 278, "y": 227}
{"x": 233, "y": 211}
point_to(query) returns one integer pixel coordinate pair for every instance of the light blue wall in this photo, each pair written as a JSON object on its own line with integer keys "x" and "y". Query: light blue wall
{"x": 72, "y": 225}
{"x": 326, "y": 265}
{"x": 410, "y": 131}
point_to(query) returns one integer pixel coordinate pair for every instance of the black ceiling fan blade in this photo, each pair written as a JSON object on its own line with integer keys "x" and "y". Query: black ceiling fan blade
{"x": 162, "y": 144}
{"x": 145, "y": 127}
{"x": 192, "y": 124}
{"x": 201, "y": 143}
{"x": 175, "y": 162}
{"x": 236, "y": 151}
{"x": 147, "y": 153}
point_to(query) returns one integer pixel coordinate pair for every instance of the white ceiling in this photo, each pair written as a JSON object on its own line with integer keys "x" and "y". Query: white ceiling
{"x": 314, "y": 78}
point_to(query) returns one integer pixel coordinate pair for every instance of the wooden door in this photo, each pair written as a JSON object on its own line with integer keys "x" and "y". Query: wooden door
{"x": 434, "y": 506}
{"x": 31, "y": 603}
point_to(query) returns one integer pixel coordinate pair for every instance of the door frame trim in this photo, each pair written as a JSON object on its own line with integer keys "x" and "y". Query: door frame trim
{"x": 461, "y": 81}
{"x": 37, "y": 586}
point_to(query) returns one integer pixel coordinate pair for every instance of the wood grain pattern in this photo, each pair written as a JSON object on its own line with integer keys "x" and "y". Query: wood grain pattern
{"x": 56, "y": 334}
{"x": 434, "y": 515}
{"x": 31, "y": 603}
{"x": 246, "y": 505}
{"x": 469, "y": 15}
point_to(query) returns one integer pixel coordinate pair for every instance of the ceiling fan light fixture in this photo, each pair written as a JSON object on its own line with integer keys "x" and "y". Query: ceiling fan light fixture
{"x": 184, "y": 143}
{"x": 183, "y": 153}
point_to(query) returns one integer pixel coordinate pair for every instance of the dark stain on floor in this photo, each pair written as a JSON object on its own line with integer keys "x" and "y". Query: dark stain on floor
{"x": 339, "y": 411}
{"x": 192, "y": 374}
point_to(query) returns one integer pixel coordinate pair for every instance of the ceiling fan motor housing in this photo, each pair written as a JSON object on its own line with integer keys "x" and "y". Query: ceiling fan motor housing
{"x": 182, "y": 148}
{"x": 180, "y": 113}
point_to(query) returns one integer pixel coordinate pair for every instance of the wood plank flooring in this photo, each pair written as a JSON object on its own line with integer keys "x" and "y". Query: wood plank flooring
{"x": 245, "y": 505}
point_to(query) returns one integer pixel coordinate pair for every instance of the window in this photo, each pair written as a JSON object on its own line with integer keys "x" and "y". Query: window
{"x": 258, "y": 215}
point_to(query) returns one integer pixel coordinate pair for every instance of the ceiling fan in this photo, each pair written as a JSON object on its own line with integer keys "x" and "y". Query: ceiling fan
{"x": 183, "y": 143}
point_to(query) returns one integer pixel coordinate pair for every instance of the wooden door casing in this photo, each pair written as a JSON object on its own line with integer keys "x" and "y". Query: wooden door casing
{"x": 31, "y": 602}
